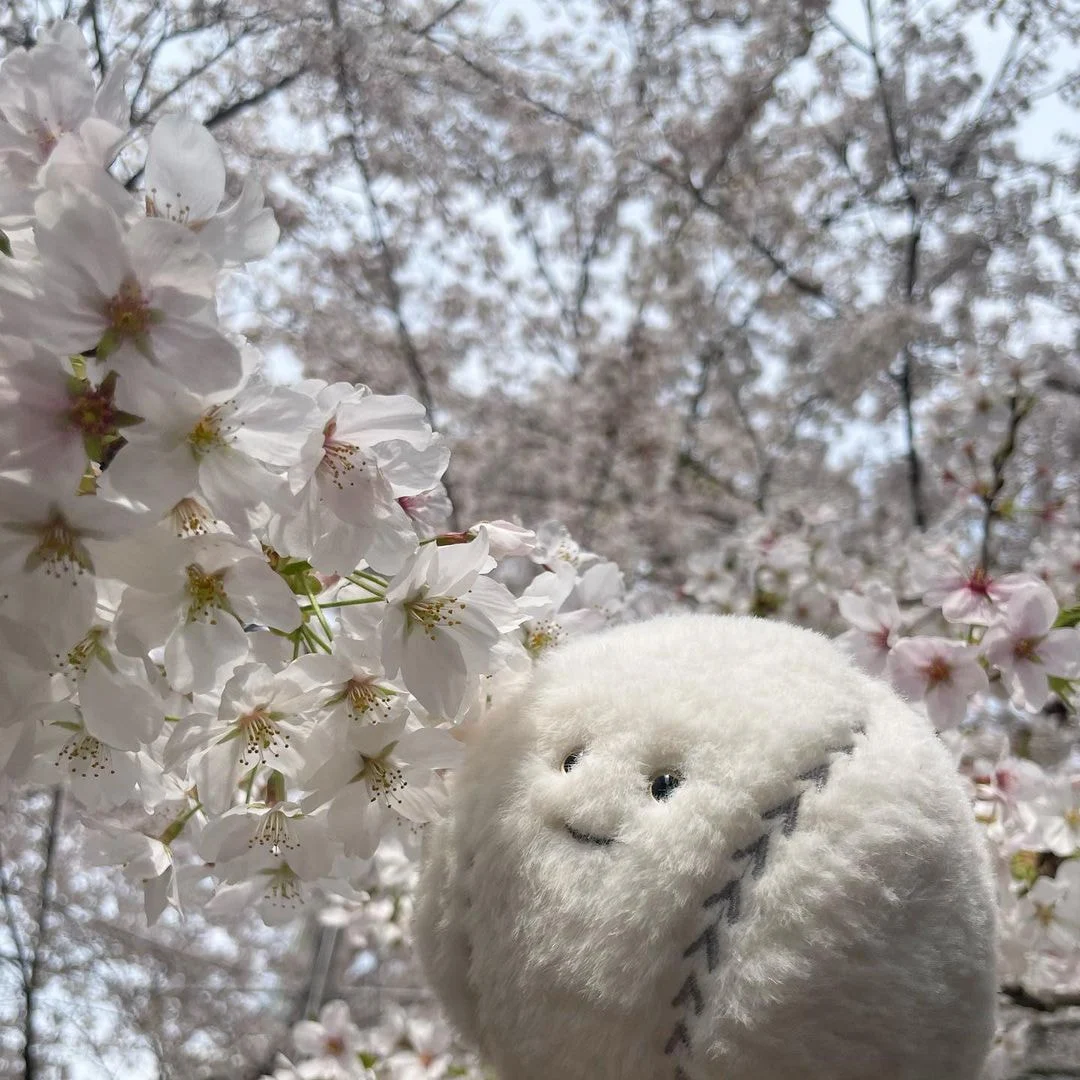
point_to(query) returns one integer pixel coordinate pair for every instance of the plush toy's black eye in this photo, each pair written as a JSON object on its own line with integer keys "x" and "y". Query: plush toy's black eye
{"x": 571, "y": 760}
{"x": 663, "y": 784}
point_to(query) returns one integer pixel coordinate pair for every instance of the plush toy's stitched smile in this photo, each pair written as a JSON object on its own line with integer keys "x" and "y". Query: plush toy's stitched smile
{"x": 586, "y": 838}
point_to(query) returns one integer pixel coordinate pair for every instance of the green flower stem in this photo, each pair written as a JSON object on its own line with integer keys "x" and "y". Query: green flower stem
{"x": 315, "y": 607}
{"x": 345, "y": 603}
{"x": 373, "y": 578}
{"x": 176, "y": 827}
{"x": 313, "y": 641}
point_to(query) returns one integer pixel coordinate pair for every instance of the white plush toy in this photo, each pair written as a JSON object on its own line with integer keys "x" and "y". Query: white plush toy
{"x": 708, "y": 848}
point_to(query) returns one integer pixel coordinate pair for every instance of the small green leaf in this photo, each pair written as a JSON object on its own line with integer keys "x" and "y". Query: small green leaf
{"x": 5, "y": 244}
{"x": 1062, "y": 687}
{"x": 1069, "y": 616}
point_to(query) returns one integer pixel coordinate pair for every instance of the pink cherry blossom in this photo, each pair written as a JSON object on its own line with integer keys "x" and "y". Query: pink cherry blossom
{"x": 969, "y": 594}
{"x": 943, "y": 673}
{"x": 875, "y": 622}
{"x": 1025, "y": 648}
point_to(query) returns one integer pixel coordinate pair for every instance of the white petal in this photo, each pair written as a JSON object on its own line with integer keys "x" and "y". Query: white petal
{"x": 185, "y": 170}
{"x": 118, "y": 712}
{"x": 1059, "y": 652}
{"x": 435, "y": 672}
{"x": 196, "y": 354}
{"x": 201, "y": 656}
{"x": 430, "y": 748}
{"x": 378, "y": 418}
{"x": 355, "y": 820}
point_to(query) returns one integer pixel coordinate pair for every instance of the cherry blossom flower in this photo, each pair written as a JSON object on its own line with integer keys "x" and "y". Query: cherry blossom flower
{"x": 201, "y": 595}
{"x": 185, "y": 183}
{"x": 332, "y": 1035}
{"x": 383, "y": 770}
{"x": 1025, "y": 648}
{"x": 710, "y": 579}
{"x": 1050, "y": 911}
{"x": 101, "y": 776}
{"x": 428, "y": 1055}
{"x": 261, "y": 721}
{"x": 276, "y": 892}
{"x": 145, "y": 860}
{"x": 552, "y": 618}
{"x": 554, "y": 544}
{"x": 875, "y": 621}
{"x": 344, "y": 508}
{"x": 968, "y": 594}
{"x": 505, "y": 539}
{"x": 47, "y": 94}
{"x": 940, "y": 672}
{"x": 116, "y": 700}
{"x": 140, "y": 298}
{"x": 442, "y": 621}
{"x": 1052, "y": 818}
{"x": 248, "y": 837}
{"x": 53, "y": 422}
{"x": 48, "y": 544}
{"x": 230, "y": 451}
{"x": 355, "y": 689}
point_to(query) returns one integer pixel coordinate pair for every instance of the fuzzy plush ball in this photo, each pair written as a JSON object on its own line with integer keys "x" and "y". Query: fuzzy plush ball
{"x": 708, "y": 848}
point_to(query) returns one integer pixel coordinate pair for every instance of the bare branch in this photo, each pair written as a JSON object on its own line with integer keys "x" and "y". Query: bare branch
{"x": 1018, "y": 410}
{"x": 758, "y": 244}
{"x": 16, "y": 934}
{"x": 32, "y": 984}
{"x": 347, "y": 94}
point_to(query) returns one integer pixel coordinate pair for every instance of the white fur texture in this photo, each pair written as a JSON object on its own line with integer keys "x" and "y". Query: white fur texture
{"x": 856, "y": 942}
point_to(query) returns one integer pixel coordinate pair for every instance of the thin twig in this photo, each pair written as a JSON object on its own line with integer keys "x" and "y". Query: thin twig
{"x": 1018, "y": 410}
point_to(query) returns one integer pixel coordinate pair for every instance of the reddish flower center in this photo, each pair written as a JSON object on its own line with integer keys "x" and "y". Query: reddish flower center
{"x": 128, "y": 312}
{"x": 47, "y": 140}
{"x": 979, "y": 582}
{"x": 340, "y": 459}
{"x": 335, "y": 1045}
{"x": 92, "y": 411}
{"x": 938, "y": 671}
{"x": 1025, "y": 649}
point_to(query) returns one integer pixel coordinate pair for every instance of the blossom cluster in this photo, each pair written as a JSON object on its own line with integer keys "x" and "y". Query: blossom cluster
{"x": 1010, "y": 650}
{"x": 233, "y": 621}
{"x": 404, "y": 1045}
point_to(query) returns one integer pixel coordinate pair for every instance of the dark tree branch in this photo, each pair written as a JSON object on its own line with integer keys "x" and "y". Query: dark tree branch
{"x": 970, "y": 137}
{"x": 1047, "y": 1003}
{"x": 802, "y": 284}
{"x": 227, "y": 112}
{"x": 32, "y": 984}
{"x": 904, "y": 377}
{"x": 613, "y": 426}
{"x": 16, "y": 934}
{"x": 1018, "y": 410}
{"x": 347, "y": 94}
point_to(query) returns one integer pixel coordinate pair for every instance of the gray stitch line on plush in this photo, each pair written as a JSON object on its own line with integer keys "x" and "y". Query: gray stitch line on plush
{"x": 728, "y": 899}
